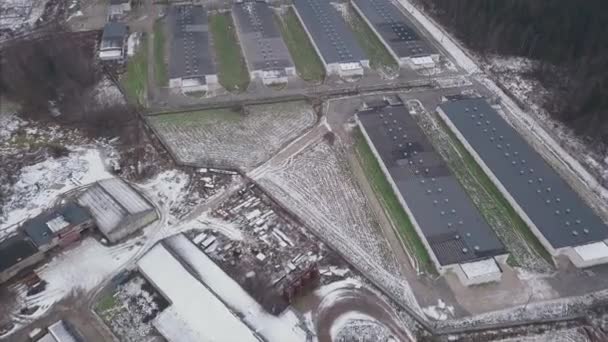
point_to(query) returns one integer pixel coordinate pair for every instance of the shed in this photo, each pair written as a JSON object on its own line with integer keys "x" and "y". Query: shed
{"x": 113, "y": 40}
{"x": 16, "y": 253}
{"x": 119, "y": 8}
{"x": 117, "y": 209}
{"x": 46, "y": 229}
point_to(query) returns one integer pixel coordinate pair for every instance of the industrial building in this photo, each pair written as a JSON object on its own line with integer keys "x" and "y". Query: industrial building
{"x": 113, "y": 42}
{"x": 60, "y": 331}
{"x": 453, "y": 231}
{"x": 266, "y": 54}
{"x": 117, "y": 209}
{"x": 333, "y": 40}
{"x": 191, "y": 64}
{"x": 59, "y": 226}
{"x": 206, "y": 303}
{"x": 397, "y": 33}
{"x": 16, "y": 254}
{"x": 558, "y": 217}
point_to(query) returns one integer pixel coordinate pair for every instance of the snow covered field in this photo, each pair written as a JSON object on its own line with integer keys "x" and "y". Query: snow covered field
{"x": 224, "y": 138}
{"x": 39, "y": 185}
{"x": 318, "y": 187}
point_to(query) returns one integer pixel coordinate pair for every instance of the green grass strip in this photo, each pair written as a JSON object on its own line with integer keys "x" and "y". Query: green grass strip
{"x": 308, "y": 64}
{"x": 162, "y": 78}
{"x": 233, "y": 74}
{"x": 393, "y": 208}
{"x": 135, "y": 80}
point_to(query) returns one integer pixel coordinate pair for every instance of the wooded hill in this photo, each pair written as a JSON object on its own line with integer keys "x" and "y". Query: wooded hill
{"x": 565, "y": 35}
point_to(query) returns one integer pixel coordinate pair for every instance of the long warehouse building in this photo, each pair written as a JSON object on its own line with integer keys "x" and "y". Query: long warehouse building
{"x": 397, "y": 33}
{"x": 191, "y": 64}
{"x": 451, "y": 228}
{"x": 558, "y": 217}
{"x": 334, "y": 42}
{"x": 266, "y": 54}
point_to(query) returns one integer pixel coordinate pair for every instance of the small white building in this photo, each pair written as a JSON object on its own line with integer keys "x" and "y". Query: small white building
{"x": 118, "y": 210}
{"x": 113, "y": 42}
{"x": 118, "y": 8}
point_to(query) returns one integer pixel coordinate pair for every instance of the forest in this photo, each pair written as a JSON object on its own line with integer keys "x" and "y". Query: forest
{"x": 568, "y": 38}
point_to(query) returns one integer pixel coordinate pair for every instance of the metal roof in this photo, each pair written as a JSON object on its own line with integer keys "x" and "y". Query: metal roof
{"x": 190, "y": 54}
{"x": 558, "y": 212}
{"x": 331, "y": 34}
{"x": 260, "y": 37}
{"x": 394, "y": 27}
{"x": 38, "y": 228}
{"x": 111, "y": 201}
{"x": 448, "y": 218}
{"x": 114, "y": 31}
{"x": 14, "y": 249}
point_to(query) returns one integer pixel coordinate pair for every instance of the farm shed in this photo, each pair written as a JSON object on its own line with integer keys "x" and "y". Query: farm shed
{"x": 397, "y": 33}
{"x": 113, "y": 42}
{"x": 118, "y": 8}
{"x": 17, "y": 253}
{"x": 191, "y": 65}
{"x": 61, "y": 331}
{"x": 267, "y": 55}
{"x": 559, "y": 218}
{"x": 334, "y": 42}
{"x": 451, "y": 228}
{"x": 59, "y": 225}
{"x": 118, "y": 210}
{"x": 195, "y": 314}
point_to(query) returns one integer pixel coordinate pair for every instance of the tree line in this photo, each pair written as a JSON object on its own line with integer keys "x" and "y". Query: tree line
{"x": 569, "y": 38}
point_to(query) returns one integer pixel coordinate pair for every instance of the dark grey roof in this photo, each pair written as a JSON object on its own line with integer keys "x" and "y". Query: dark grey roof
{"x": 558, "y": 212}
{"x": 330, "y": 32}
{"x": 446, "y": 215}
{"x": 394, "y": 27}
{"x": 114, "y": 31}
{"x": 38, "y": 230}
{"x": 190, "y": 49}
{"x": 15, "y": 249}
{"x": 119, "y": 2}
{"x": 260, "y": 37}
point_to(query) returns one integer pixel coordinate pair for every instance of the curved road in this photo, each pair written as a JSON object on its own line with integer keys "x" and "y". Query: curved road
{"x": 358, "y": 300}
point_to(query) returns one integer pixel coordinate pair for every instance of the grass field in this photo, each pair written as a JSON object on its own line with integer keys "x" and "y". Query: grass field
{"x": 105, "y": 304}
{"x": 393, "y": 208}
{"x": 135, "y": 80}
{"x": 501, "y": 207}
{"x": 233, "y": 74}
{"x": 379, "y": 57}
{"x": 159, "y": 54}
{"x": 308, "y": 64}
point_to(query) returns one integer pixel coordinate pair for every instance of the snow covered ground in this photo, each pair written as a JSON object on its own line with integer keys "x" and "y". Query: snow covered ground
{"x": 317, "y": 185}
{"x": 20, "y": 14}
{"x": 230, "y": 139}
{"x": 39, "y": 185}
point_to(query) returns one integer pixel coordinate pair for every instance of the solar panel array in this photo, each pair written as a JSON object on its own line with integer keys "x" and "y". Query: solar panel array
{"x": 394, "y": 27}
{"x": 554, "y": 208}
{"x": 190, "y": 51}
{"x": 329, "y": 31}
{"x": 449, "y": 220}
{"x": 260, "y": 37}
